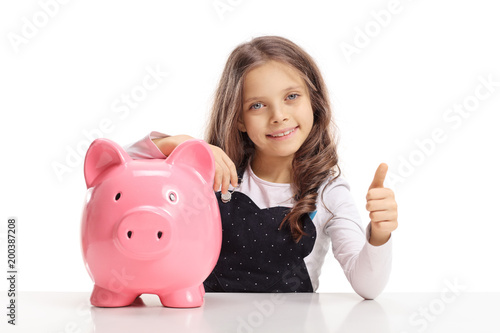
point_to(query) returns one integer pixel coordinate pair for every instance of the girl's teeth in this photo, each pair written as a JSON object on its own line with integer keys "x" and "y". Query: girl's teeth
{"x": 283, "y": 134}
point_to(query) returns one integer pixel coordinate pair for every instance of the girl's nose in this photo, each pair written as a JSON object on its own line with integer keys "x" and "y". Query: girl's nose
{"x": 278, "y": 114}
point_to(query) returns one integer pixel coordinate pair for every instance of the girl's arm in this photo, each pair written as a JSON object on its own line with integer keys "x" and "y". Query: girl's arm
{"x": 367, "y": 267}
{"x": 155, "y": 145}
{"x": 160, "y": 145}
{"x": 167, "y": 144}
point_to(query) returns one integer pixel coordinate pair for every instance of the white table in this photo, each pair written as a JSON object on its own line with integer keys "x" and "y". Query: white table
{"x": 230, "y": 312}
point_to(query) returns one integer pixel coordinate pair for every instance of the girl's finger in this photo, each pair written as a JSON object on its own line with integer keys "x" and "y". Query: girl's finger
{"x": 383, "y": 216}
{"x": 384, "y": 226}
{"x": 233, "y": 175}
{"x": 381, "y": 204}
{"x": 217, "y": 177}
{"x": 225, "y": 179}
{"x": 379, "y": 193}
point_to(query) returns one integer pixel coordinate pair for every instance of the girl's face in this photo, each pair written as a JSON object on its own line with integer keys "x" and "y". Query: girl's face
{"x": 277, "y": 113}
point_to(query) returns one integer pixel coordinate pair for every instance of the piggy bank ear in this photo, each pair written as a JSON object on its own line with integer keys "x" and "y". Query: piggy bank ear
{"x": 102, "y": 155}
{"x": 196, "y": 154}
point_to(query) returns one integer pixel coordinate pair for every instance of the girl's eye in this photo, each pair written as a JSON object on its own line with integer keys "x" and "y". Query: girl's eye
{"x": 256, "y": 108}
{"x": 294, "y": 96}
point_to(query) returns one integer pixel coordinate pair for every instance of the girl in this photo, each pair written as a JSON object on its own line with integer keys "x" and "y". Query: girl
{"x": 277, "y": 181}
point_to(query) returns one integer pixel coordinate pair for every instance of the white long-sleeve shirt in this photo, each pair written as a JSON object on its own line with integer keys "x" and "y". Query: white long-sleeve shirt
{"x": 366, "y": 267}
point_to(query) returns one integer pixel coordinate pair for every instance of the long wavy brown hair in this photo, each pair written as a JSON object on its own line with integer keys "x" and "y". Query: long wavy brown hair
{"x": 316, "y": 160}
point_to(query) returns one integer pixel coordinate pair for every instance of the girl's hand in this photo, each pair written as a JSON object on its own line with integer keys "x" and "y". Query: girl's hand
{"x": 381, "y": 204}
{"x": 225, "y": 170}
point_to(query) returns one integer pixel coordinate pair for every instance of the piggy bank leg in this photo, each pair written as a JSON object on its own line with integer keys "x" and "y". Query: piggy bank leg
{"x": 202, "y": 290}
{"x": 106, "y": 298}
{"x": 191, "y": 297}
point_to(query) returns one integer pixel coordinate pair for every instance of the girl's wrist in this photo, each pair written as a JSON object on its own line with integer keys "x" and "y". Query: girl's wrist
{"x": 377, "y": 240}
{"x": 168, "y": 144}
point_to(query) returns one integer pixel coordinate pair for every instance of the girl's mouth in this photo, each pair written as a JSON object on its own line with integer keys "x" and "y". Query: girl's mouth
{"x": 282, "y": 135}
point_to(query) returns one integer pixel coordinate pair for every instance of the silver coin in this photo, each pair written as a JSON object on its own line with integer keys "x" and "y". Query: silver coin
{"x": 225, "y": 197}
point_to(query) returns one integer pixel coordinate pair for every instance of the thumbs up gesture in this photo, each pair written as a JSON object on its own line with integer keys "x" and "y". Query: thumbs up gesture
{"x": 381, "y": 204}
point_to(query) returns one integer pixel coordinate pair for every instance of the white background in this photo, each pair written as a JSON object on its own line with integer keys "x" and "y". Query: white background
{"x": 67, "y": 75}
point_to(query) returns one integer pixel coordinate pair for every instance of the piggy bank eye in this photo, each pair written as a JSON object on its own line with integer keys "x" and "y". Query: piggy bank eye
{"x": 172, "y": 196}
{"x": 117, "y": 196}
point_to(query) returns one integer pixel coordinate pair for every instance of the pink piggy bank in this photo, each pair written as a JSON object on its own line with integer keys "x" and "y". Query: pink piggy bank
{"x": 150, "y": 226}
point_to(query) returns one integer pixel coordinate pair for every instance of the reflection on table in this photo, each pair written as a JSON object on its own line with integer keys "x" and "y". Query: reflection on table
{"x": 255, "y": 312}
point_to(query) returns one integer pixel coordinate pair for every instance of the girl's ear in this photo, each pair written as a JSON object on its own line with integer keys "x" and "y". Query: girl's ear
{"x": 241, "y": 125}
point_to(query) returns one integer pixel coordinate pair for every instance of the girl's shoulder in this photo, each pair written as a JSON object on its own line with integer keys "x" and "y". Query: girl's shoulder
{"x": 334, "y": 193}
{"x": 334, "y": 184}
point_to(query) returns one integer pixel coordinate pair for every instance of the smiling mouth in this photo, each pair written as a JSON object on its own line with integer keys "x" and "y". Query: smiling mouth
{"x": 283, "y": 133}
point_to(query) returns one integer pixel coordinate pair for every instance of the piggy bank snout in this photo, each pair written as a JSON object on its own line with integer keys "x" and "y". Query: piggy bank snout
{"x": 144, "y": 234}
